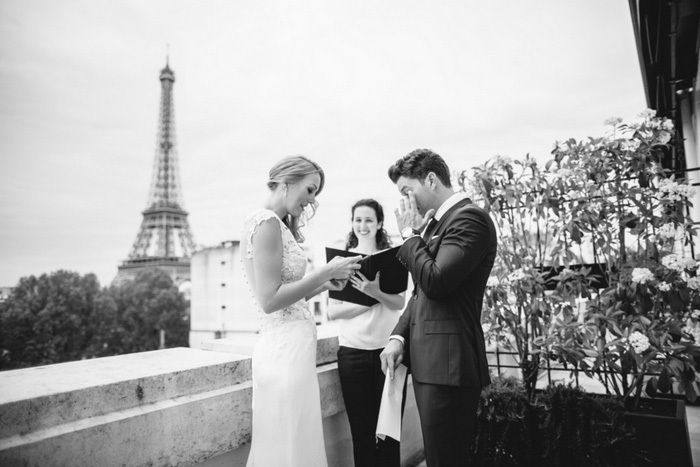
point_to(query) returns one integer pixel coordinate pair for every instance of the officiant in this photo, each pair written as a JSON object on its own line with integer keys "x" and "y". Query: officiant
{"x": 364, "y": 332}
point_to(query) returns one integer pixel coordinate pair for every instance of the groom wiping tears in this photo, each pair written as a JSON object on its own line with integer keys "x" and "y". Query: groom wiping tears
{"x": 450, "y": 259}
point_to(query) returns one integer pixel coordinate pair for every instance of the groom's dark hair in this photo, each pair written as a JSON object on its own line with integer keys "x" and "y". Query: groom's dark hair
{"x": 418, "y": 164}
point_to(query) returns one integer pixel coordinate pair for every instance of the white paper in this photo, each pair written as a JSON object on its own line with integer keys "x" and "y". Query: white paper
{"x": 389, "y": 421}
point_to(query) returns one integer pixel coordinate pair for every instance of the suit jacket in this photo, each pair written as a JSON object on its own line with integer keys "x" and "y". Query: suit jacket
{"x": 442, "y": 321}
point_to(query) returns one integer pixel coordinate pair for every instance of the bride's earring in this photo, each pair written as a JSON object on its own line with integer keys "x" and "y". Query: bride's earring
{"x": 286, "y": 187}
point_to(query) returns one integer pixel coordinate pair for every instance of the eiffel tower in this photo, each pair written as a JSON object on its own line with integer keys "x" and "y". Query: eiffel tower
{"x": 164, "y": 239}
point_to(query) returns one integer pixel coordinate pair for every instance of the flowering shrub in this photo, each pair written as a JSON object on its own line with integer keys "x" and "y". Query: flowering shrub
{"x": 518, "y": 311}
{"x": 642, "y": 329}
{"x": 595, "y": 267}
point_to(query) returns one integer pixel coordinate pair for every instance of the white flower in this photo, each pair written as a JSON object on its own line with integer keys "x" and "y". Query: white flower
{"x": 642, "y": 275}
{"x": 638, "y": 341}
{"x": 505, "y": 160}
{"x": 695, "y": 314}
{"x": 694, "y": 283}
{"x": 631, "y": 145}
{"x": 564, "y": 173}
{"x": 667, "y": 124}
{"x": 672, "y": 261}
{"x": 612, "y": 121}
{"x": 559, "y": 146}
{"x": 574, "y": 194}
{"x": 664, "y": 286}
{"x": 566, "y": 273}
{"x": 695, "y": 332}
{"x": 675, "y": 191}
{"x": 688, "y": 264}
{"x": 667, "y": 231}
{"x": 664, "y": 137}
{"x": 493, "y": 281}
{"x": 517, "y": 275}
{"x": 648, "y": 113}
{"x": 677, "y": 263}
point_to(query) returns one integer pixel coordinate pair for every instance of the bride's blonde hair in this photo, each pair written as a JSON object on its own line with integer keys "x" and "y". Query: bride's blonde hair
{"x": 291, "y": 170}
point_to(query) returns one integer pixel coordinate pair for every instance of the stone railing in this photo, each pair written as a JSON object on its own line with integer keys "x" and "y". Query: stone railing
{"x": 174, "y": 407}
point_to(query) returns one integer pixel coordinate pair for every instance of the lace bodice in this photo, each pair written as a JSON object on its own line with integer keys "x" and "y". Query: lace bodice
{"x": 293, "y": 269}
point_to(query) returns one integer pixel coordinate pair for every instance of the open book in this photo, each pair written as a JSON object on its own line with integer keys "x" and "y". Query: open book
{"x": 392, "y": 280}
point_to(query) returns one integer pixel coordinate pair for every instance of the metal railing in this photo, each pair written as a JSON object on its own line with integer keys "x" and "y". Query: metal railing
{"x": 550, "y": 367}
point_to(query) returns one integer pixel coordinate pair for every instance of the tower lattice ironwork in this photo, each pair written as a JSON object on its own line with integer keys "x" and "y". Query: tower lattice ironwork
{"x": 164, "y": 239}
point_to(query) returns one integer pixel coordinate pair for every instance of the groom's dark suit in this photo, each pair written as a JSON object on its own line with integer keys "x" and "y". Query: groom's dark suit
{"x": 441, "y": 326}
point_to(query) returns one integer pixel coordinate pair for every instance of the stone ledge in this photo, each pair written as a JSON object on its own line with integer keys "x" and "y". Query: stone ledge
{"x": 195, "y": 409}
{"x": 148, "y": 404}
{"x": 36, "y": 398}
{"x": 244, "y": 342}
{"x": 178, "y": 432}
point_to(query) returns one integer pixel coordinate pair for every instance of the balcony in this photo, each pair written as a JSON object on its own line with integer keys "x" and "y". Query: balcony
{"x": 174, "y": 407}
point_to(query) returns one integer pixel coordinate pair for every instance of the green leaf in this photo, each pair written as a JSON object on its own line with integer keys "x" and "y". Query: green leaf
{"x": 575, "y": 233}
{"x": 651, "y": 386}
{"x": 664, "y": 381}
{"x": 690, "y": 392}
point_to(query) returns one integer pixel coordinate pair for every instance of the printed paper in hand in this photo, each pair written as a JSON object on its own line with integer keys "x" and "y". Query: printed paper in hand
{"x": 389, "y": 422}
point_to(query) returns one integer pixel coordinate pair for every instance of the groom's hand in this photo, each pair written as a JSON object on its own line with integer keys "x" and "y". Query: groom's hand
{"x": 391, "y": 357}
{"x": 407, "y": 215}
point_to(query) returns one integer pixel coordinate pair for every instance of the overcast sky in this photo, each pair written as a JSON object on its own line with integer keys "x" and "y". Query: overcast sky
{"x": 353, "y": 85}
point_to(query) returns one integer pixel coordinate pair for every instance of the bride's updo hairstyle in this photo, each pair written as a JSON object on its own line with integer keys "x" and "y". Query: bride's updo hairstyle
{"x": 291, "y": 170}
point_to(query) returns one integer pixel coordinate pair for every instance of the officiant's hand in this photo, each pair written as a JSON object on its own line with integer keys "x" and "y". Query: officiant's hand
{"x": 364, "y": 285}
{"x": 407, "y": 214}
{"x": 391, "y": 357}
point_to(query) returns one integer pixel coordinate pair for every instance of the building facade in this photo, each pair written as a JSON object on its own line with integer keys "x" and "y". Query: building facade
{"x": 222, "y": 302}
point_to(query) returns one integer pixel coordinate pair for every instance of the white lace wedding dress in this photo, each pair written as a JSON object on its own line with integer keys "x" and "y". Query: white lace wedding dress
{"x": 287, "y": 424}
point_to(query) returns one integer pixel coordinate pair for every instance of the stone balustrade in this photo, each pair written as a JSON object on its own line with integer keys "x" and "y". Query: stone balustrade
{"x": 174, "y": 407}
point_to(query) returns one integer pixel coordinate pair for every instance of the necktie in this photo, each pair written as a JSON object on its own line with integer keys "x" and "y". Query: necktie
{"x": 429, "y": 228}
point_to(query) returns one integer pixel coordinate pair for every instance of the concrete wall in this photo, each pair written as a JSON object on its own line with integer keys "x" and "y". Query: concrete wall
{"x": 174, "y": 407}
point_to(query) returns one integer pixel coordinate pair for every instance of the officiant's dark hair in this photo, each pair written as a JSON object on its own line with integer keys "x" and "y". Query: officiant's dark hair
{"x": 291, "y": 170}
{"x": 383, "y": 240}
{"x": 418, "y": 164}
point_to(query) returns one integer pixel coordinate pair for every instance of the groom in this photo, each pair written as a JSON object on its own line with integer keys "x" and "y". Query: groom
{"x": 449, "y": 248}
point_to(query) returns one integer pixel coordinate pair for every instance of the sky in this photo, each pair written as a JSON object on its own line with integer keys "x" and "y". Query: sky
{"x": 354, "y": 85}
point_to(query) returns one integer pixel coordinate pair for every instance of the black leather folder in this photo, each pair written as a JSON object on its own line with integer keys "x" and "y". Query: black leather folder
{"x": 393, "y": 278}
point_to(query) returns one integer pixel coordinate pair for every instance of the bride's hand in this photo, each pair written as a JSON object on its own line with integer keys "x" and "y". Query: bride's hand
{"x": 342, "y": 268}
{"x": 336, "y": 284}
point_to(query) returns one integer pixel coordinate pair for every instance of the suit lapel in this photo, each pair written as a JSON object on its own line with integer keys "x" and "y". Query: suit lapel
{"x": 433, "y": 226}
{"x": 445, "y": 217}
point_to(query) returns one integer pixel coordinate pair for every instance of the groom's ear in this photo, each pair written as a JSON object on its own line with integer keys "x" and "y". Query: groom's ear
{"x": 431, "y": 180}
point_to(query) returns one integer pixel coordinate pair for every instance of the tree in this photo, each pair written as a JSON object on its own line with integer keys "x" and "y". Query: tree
{"x": 63, "y": 316}
{"x": 49, "y": 319}
{"x": 146, "y": 305}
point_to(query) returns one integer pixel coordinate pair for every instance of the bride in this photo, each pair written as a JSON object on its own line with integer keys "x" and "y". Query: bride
{"x": 287, "y": 424}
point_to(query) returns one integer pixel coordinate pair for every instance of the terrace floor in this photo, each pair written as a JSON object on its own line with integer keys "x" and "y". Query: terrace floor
{"x": 693, "y": 413}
